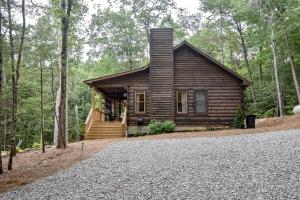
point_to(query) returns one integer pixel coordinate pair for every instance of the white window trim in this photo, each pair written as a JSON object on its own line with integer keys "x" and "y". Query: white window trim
{"x": 135, "y": 102}
{"x": 186, "y": 103}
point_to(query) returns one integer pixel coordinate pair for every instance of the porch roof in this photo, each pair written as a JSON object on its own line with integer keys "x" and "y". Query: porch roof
{"x": 90, "y": 82}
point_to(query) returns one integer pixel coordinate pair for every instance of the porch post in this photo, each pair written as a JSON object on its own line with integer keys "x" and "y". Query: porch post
{"x": 100, "y": 102}
{"x": 93, "y": 99}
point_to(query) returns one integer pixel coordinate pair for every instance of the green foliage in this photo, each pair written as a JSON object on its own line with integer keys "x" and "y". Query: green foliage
{"x": 36, "y": 145}
{"x": 239, "y": 121}
{"x": 168, "y": 126}
{"x": 19, "y": 150}
{"x": 157, "y": 127}
{"x": 138, "y": 132}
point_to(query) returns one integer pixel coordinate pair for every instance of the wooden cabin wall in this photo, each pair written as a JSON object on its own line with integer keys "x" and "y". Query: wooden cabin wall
{"x": 224, "y": 91}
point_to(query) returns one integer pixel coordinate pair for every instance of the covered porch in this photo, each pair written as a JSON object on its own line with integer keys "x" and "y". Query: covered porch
{"x": 108, "y": 115}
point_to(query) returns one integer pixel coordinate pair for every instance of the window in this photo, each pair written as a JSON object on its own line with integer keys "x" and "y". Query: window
{"x": 200, "y": 101}
{"x": 140, "y": 102}
{"x": 181, "y": 102}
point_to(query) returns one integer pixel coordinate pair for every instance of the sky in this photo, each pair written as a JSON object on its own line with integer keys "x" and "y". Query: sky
{"x": 190, "y": 5}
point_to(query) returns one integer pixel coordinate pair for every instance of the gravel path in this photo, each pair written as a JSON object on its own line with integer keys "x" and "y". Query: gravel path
{"x": 261, "y": 166}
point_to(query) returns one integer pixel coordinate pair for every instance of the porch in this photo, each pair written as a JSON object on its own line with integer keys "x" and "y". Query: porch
{"x": 108, "y": 115}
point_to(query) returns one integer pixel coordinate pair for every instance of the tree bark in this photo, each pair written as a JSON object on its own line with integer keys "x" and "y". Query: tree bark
{"x": 222, "y": 34}
{"x": 260, "y": 74}
{"x": 56, "y": 115}
{"x": 77, "y": 123}
{"x": 245, "y": 53}
{"x": 42, "y": 111}
{"x": 62, "y": 127}
{"x": 293, "y": 67}
{"x": 1, "y": 87}
{"x": 13, "y": 107}
{"x": 278, "y": 91}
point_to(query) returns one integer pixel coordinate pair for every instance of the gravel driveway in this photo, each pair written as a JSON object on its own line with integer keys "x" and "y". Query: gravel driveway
{"x": 261, "y": 166}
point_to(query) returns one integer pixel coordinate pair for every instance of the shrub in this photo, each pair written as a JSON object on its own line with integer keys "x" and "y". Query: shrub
{"x": 157, "y": 127}
{"x": 138, "y": 132}
{"x": 239, "y": 118}
{"x": 19, "y": 150}
{"x": 168, "y": 126}
{"x": 36, "y": 146}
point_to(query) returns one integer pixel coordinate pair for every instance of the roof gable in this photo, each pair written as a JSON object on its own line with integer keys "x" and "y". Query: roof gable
{"x": 223, "y": 67}
{"x": 245, "y": 82}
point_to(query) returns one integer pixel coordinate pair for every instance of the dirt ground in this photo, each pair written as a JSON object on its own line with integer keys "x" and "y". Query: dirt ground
{"x": 34, "y": 165}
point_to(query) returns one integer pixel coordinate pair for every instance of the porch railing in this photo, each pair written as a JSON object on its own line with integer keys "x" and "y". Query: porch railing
{"x": 124, "y": 123}
{"x": 92, "y": 116}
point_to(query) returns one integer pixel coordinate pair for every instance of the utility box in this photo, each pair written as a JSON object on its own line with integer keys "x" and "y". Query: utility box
{"x": 250, "y": 121}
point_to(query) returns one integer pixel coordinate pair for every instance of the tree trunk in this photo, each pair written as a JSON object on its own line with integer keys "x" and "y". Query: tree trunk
{"x": 222, "y": 34}
{"x": 293, "y": 67}
{"x": 245, "y": 53}
{"x": 42, "y": 111}
{"x": 1, "y": 88}
{"x": 231, "y": 56}
{"x": 77, "y": 123}
{"x": 56, "y": 117}
{"x": 260, "y": 74}
{"x": 279, "y": 100}
{"x": 13, "y": 107}
{"x": 62, "y": 128}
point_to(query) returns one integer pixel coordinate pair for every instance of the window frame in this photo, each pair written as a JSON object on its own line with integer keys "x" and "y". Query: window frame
{"x": 135, "y": 102}
{"x": 195, "y": 102}
{"x": 186, "y": 101}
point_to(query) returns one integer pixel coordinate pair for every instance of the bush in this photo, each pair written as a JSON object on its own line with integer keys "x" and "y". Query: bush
{"x": 157, "y": 127}
{"x": 239, "y": 118}
{"x": 19, "y": 150}
{"x": 36, "y": 146}
{"x": 168, "y": 127}
{"x": 138, "y": 132}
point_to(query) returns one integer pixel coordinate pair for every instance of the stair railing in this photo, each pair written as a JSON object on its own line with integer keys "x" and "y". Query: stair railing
{"x": 124, "y": 123}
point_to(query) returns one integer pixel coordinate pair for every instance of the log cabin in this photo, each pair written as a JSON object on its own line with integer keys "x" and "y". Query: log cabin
{"x": 181, "y": 84}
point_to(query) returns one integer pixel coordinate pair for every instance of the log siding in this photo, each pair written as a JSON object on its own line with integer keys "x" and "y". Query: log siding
{"x": 183, "y": 68}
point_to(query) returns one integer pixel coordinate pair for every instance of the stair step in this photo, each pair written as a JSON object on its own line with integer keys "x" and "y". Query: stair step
{"x": 105, "y": 133}
{"x": 102, "y": 136}
{"x": 106, "y": 127}
{"x": 104, "y": 130}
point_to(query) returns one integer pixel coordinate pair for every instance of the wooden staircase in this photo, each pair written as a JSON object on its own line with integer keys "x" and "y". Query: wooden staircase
{"x": 104, "y": 130}
{"x": 97, "y": 128}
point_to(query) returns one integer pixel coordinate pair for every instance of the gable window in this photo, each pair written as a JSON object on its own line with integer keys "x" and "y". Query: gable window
{"x": 181, "y": 102}
{"x": 140, "y": 102}
{"x": 200, "y": 101}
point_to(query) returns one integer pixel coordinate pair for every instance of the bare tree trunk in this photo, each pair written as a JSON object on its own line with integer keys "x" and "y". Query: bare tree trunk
{"x": 42, "y": 111}
{"x": 222, "y": 34}
{"x": 231, "y": 56}
{"x": 64, "y": 72}
{"x": 279, "y": 100}
{"x": 77, "y": 122}
{"x": 260, "y": 74}
{"x": 1, "y": 87}
{"x": 293, "y": 67}
{"x": 15, "y": 78}
{"x": 56, "y": 114}
{"x": 13, "y": 107}
{"x": 245, "y": 52}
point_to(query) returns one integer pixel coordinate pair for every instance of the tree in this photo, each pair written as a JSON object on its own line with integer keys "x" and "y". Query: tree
{"x": 148, "y": 13}
{"x": 15, "y": 76}
{"x": 62, "y": 118}
{"x": 117, "y": 27}
{"x": 1, "y": 85}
